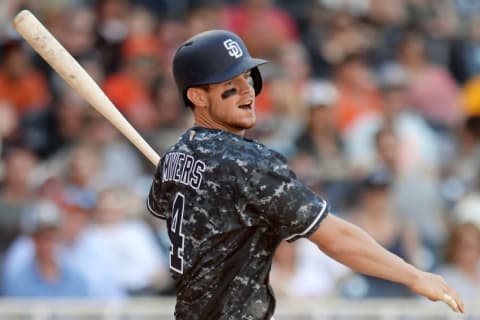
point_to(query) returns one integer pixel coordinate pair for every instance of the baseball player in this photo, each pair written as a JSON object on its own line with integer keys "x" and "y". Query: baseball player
{"x": 229, "y": 201}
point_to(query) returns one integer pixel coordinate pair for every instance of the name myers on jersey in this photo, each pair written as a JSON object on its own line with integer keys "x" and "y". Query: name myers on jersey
{"x": 183, "y": 168}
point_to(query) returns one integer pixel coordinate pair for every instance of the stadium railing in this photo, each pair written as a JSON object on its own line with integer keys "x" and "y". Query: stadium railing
{"x": 295, "y": 309}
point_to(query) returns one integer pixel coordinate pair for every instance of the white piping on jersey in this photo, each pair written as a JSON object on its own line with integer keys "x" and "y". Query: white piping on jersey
{"x": 320, "y": 215}
{"x": 155, "y": 213}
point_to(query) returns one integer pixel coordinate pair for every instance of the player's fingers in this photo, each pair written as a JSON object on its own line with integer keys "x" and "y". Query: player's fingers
{"x": 458, "y": 300}
{"x": 461, "y": 306}
{"x": 450, "y": 301}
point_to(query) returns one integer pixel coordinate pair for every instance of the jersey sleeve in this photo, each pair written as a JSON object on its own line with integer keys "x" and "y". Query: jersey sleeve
{"x": 153, "y": 204}
{"x": 284, "y": 202}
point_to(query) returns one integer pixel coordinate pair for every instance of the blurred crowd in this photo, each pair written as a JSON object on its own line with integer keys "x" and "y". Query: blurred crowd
{"x": 375, "y": 104}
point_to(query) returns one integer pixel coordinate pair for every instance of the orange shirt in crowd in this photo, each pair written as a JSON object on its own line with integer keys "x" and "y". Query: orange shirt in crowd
{"x": 28, "y": 93}
{"x": 351, "y": 106}
{"x": 126, "y": 92}
{"x": 132, "y": 99}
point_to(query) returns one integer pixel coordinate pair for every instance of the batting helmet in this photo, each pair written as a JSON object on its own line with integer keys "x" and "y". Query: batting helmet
{"x": 212, "y": 57}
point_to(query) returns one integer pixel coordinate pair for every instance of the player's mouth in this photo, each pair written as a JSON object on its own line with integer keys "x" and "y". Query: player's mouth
{"x": 246, "y": 106}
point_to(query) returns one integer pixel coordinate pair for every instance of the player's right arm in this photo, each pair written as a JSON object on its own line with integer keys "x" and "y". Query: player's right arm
{"x": 356, "y": 249}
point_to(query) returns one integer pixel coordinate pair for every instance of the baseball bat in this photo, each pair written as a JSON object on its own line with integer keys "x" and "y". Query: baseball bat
{"x": 48, "y": 47}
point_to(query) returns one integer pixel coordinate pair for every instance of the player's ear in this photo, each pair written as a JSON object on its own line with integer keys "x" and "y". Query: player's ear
{"x": 198, "y": 96}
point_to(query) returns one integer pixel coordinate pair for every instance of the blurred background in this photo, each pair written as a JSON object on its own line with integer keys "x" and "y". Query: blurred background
{"x": 375, "y": 103}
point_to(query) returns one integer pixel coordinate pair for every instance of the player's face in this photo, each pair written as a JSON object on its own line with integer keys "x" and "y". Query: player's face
{"x": 231, "y": 104}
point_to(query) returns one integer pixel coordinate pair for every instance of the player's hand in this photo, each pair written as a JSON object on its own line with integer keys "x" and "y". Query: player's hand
{"x": 435, "y": 288}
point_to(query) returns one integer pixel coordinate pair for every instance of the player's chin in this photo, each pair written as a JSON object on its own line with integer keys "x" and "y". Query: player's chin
{"x": 245, "y": 124}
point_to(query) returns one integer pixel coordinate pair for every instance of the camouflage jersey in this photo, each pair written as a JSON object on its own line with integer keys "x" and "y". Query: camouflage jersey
{"x": 228, "y": 202}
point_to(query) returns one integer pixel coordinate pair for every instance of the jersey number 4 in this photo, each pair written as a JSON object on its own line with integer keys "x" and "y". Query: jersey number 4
{"x": 176, "y": 236}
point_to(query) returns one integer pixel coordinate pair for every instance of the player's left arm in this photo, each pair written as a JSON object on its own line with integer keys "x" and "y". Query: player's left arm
{"x": 356, "y": 249}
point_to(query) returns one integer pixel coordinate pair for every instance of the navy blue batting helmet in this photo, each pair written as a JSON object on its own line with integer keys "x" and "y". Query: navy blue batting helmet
{"x": 212, "y": 57}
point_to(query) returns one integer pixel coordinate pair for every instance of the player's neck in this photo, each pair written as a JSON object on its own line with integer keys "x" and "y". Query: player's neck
{"x": 206, "y": 122}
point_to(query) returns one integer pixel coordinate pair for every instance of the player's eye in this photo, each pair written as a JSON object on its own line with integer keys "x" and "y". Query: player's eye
{"x": 229, "y": 93}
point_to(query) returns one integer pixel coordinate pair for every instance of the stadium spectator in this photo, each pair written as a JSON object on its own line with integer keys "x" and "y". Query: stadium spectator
{"x": 112, "y": 29}
{"x": 203, "y": 16}
{"x": 462, "y": 260}
{"x": 320, "y": 156}
{"x": 377, "y": 216}
{"x": 460, "y": 184}
{"x": 130, "y": 88}
{"x": 111, "y": 147}
{"x": 126, "y": 242}
{"x": 466, "y": 208}
{"x": 20, "y": 83}
{"x": 76, "y": 250}
{"x": 300, "y": 271}
{"x": 332, "y": 36}
{"x": 44, "y": 273}
{"x": 70, "y": 119}
{"x": 412, "y": 192}
{"x": 17, "y": 181}
{"x": 358, "y": 93}
{"x": 432, "y": 90}
{"x": 464, "y": 63}
{"x": 281, "y": 117}
{"x": 81, "y": 184}
{"x": 418, "y": 148}
{"x": 77, "y": 31}
{"x": 15, "y": 193}
{"x": 263, "y": 25}
{"x": 8, "y": 125}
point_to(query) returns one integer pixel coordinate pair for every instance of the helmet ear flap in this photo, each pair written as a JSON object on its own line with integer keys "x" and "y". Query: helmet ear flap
{"x": 257, "y": 80}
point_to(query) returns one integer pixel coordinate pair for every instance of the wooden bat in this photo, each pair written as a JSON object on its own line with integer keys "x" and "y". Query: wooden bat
{"x": 75, "y": 75}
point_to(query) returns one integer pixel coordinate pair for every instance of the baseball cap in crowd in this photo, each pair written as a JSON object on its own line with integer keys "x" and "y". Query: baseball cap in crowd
{"x": 320, "y": 93}
{"x": 39, "y": 216}
{"x": 467, "y": 210}
{"x": 379, "y": 179}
